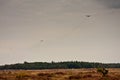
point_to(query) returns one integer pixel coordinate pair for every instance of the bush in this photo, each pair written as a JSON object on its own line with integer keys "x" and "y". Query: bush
{"x": 103, "y": 71}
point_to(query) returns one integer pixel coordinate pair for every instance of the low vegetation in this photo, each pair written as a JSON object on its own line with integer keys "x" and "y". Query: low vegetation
{"x": 61, "y": 74}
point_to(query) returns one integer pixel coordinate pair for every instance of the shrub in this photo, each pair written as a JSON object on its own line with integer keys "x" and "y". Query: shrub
{"x": 103, "y": 71}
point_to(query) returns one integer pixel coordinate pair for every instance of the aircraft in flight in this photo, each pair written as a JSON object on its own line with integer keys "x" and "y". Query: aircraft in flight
{"x": 88, "y": 15}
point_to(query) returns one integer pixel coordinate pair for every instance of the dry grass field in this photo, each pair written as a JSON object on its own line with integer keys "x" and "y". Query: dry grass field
{"x": 59, "y": 74}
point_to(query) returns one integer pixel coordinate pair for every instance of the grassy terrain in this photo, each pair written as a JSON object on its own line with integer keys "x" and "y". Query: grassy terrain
{"x": 59, "y": 74}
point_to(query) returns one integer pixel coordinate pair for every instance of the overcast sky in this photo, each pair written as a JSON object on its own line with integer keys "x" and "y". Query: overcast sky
{"x": 59, "y": 30}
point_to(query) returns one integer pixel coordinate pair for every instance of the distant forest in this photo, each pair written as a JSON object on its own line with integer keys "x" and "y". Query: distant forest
{"x": 58, "y": 65}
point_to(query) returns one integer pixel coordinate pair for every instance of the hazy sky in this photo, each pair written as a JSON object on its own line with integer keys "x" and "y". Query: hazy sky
{"x": 59, "y": 30}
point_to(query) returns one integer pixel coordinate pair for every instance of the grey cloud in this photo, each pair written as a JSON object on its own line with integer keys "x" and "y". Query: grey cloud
{"x": 110, "y": 3}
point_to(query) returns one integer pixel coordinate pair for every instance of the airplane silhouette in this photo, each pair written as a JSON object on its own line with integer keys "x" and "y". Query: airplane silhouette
{"x": 88, "y": 15}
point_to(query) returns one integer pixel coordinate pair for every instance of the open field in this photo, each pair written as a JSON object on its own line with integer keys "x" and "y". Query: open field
{"x": 59, "y": 74}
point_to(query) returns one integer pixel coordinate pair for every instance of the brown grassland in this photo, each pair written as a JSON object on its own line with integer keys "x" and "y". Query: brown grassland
{"x": 59, "y": 74}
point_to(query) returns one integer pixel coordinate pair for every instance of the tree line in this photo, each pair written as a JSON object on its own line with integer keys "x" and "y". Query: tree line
{"x": 58, "y": 65}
